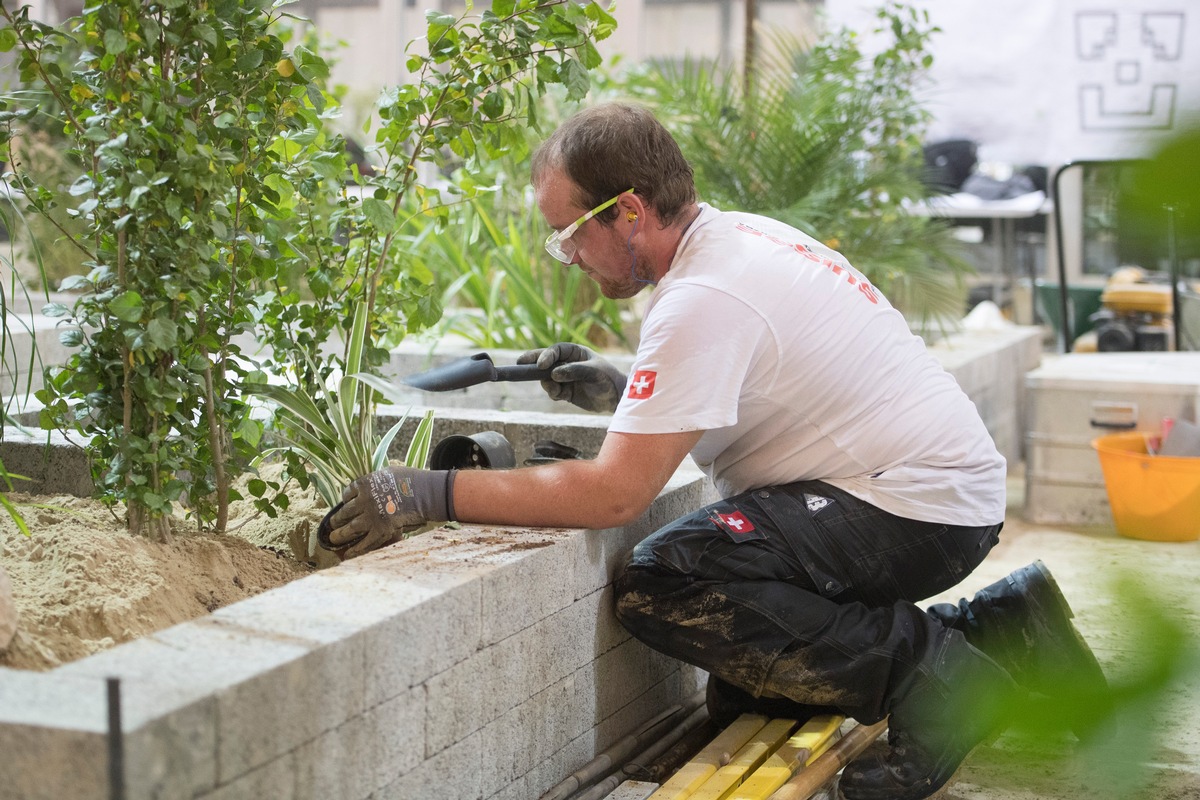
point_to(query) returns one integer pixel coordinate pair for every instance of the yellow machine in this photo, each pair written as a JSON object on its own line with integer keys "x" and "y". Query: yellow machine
{"x": 1135, "y": 315}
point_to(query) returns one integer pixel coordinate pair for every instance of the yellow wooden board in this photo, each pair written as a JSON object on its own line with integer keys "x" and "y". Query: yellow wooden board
{"x": 722, "y": 784}
{"x": 801, "y": 749}
{"x": 713, "y": 756}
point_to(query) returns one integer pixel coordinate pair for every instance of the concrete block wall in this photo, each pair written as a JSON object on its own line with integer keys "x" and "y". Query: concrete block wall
{"x": 464, "y": 663}
{"x": 990, "y": 367}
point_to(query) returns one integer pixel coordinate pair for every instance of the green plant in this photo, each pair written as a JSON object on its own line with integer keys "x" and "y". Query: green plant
{"x": 171, "y": 109}
{"x": 333, "y": 431}
{"x": 826, "y": 140}
{"x": 504, "y": 291}
{"x": 9, "y": 507}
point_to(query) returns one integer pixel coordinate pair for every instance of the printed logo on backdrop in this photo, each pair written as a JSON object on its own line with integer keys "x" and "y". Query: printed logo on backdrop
{"x": 1129, "y": 68}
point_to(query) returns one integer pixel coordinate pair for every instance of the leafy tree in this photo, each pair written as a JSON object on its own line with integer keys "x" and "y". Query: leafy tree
{"x": 216, "y": 200}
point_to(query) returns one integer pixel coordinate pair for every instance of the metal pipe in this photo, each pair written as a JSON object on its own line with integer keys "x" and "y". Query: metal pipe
{"x": 612, "y": 758}
{"x": 604, "y": 787}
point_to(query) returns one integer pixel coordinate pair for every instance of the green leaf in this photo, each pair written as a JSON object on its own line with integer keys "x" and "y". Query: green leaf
{"x": 114, "y": 41}
{"x": 379, "y": 214}
{"x": 8, "y": 39}
{"x": 575, "y": 77}
{"x": 163, "y": 333}
{"x": 249, "y": 431}
{"x": 84, "y": 183}
{"x": 71, "y": 337}
{"x": 127, "y": 306}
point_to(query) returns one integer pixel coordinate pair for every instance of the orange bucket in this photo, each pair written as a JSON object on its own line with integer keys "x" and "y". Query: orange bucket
{"x": 1152, "y": 497}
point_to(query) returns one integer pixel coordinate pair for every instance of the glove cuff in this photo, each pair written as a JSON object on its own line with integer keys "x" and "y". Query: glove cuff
{"x": 431, "y": 490}
{"x": 451, "y": 474}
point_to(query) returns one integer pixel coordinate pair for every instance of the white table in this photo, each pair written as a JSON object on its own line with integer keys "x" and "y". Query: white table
{"x": 1002, "y": 215}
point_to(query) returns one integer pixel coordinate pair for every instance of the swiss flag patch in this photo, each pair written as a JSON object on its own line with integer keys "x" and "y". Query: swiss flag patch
{"x": 736, "y": 524}
{"x": 642, "y": 385}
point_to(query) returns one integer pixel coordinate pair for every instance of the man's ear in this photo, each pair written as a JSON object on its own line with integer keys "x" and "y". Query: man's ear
{"x": 632, "y": 207}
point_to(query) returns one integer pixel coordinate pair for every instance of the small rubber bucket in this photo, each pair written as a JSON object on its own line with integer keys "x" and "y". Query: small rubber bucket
{"x": 1152, "y": 497}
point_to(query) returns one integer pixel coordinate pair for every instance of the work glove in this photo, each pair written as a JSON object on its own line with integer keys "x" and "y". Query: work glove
{"x": 582, "y": 377}
{"x": 379, "y": 508}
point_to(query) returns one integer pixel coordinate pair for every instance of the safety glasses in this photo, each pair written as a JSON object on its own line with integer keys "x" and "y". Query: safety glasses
{"x": 559, "y": 244}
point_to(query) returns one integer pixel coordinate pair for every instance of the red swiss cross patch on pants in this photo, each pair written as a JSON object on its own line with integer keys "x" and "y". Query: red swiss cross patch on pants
{"x": 642, "y": 384}
{"x": 736, "y": 524}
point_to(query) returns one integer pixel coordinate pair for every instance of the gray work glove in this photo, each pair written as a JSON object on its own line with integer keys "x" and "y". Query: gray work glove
{"x": 584, "y": 378}
{"x": 377, "y": 509}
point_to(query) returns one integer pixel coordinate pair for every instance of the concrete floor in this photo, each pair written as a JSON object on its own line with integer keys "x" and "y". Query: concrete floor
{"x": 1153, "y": 748}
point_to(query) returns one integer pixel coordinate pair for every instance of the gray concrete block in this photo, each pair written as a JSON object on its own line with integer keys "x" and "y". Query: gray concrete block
{"x": 272, "y": 693}
{"x": 527, "y": 734}
{"x": 622, "y": 674}
{"x": 366, "y": 753}
{"x": 600, "y": 619}
{"x": 277, "y": 709}
{"x": 382, "y": 613}
{"x": 598, "y": 555}
{"x": 456, "y": 773}
{"x": 53, "y": 764}
{"x": 175, "y": 754}
{"x": 53, "y": 736}
{"x": 458, "y": 700}
{"x": 275, "y": 780}
{"x": 534, "y": 585}
{"x": 429, "y": 637}
{"x": 517, "y": 790}
{"x": 48, "y": 462}
{"x": 554, "y": 768}
{"x": 498, "y": 678}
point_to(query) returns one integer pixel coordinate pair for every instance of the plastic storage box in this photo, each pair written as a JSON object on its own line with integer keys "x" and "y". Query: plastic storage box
{"x": 1078, "y": 397}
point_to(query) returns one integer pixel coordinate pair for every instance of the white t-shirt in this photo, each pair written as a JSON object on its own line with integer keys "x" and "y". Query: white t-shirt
{"x": 796, "y": 368}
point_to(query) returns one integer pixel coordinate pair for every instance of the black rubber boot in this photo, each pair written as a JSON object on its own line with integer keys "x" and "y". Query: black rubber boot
{"x": 935, "y": 726}
{"x": 1024, "y": 623}
{"x": 727, "y": 702}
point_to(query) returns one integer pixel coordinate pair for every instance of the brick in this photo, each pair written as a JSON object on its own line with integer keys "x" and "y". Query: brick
{"x": 52, "y": 736}
{"x": 364, "y": 754}
{"x": 42, "y": 763}
{"x": 408, "y": 630}
{"x": 531, "y": 587}
{"x": 552, "y": 770}
{"x": 621, "y": 675}
{"x": 453, "y": 774}
{"x": 474, "y": 692}
{"x": 174, "y": 755}
{"x": 529, "y": 733}
{"x": 275, "y": 780}
{"x": 276, "y": 710}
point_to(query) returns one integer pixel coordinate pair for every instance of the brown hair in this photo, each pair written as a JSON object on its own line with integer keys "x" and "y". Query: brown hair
{"x": 608, "y": 148}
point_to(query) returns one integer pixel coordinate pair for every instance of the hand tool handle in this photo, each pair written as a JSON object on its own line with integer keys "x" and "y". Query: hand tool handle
{"x": 522, "y": 372}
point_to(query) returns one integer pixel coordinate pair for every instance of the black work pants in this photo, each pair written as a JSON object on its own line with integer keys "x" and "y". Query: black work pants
{"x": 805, "y": 592}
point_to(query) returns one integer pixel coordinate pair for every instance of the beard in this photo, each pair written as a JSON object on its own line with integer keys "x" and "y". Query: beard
{"x": 635, "y": 277}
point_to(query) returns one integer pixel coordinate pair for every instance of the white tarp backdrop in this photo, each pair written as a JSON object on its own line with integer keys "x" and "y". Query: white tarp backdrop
{"x": 1050, "y": 81}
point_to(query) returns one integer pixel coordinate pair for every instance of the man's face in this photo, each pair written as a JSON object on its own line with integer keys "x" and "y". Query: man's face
{"x": 601, "y": 250}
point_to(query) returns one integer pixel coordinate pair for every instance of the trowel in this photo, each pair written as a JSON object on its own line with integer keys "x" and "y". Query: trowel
{"x": 471, "y": 371}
